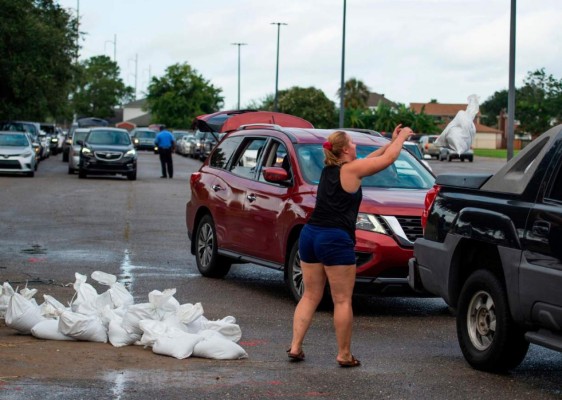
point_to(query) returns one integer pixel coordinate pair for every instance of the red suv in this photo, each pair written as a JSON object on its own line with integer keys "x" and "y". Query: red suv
{"x": 252, "y": 196}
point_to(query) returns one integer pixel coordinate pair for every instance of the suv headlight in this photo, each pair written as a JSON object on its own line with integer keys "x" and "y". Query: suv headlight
{"x": 130, "y": 153}
{"x": 370, "y": 222}
{"x": 86, "y": 152}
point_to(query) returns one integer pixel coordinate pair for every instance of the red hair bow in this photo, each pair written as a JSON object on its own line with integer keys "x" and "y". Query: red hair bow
{"x": 327, "y": 145}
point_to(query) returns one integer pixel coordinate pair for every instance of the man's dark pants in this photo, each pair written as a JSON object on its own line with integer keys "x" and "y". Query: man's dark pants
{"x": 166, "y": 161}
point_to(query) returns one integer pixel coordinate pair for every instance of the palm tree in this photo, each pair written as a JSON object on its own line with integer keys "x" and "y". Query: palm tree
{"x": 356, "y": 94}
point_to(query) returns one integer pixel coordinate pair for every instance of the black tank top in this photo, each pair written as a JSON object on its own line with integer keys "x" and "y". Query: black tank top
{"x": 335, "y": 208}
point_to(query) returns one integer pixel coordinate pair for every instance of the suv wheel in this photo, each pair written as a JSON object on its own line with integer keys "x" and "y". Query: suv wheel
{"x": 209, "y": 263}
{"x": 81, "y": 173}
{"x": 294, "y": 273}
{"x": 488, "y": 337}
{"x": 132, "y": 176}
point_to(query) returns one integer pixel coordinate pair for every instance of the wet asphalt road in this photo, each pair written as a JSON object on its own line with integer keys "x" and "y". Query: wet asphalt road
{"x": 54, "y": 225}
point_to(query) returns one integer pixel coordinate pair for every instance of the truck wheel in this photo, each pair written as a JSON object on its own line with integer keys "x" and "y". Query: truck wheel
{"x": 488, "y": 337}
{"x": 209, "y": 262}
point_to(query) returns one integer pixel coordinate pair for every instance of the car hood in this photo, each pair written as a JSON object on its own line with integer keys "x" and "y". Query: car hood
{"x": 393, "y": 201}
{"x": 14, "y": 150}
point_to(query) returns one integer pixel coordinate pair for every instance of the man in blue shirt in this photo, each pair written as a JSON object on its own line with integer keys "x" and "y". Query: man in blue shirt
{"x": 166, "y": 144}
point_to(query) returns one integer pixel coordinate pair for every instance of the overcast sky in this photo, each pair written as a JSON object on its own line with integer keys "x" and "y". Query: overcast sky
{"x": 408, "y": 50}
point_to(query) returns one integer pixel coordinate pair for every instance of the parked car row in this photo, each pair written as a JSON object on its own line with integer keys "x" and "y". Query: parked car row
{"x": 429, "y": 148}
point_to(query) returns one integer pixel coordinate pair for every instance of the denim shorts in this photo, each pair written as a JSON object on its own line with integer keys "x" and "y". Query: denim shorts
{"x": 329, "y": 246}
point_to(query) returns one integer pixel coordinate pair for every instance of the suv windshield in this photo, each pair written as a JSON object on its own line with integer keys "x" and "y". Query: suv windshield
{"x": 405, "y": 173}
{"x": 109, "y": 137}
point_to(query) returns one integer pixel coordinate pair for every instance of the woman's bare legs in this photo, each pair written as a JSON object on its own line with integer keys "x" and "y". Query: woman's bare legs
{"x": 342, "y": 281}
{"x": 314, "y": 279}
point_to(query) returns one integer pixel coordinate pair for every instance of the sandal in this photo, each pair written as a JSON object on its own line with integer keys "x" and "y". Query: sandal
{"x": 354, "y": 362}
{"x": 295, "y": 356}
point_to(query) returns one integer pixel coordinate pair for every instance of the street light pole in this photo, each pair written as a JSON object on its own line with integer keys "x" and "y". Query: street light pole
{"x": 239, "y": 44}
{"x": 511, "y": 91}
{"x": 342, "y": 84}
{"x": 277, "y": 65}
{"x": 77, "y": 30}
{"x": 114, "y": 43}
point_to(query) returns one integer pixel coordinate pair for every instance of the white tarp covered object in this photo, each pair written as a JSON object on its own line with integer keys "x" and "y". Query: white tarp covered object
{"x": 459, "y": 134}
{"x": 163, "y": 324}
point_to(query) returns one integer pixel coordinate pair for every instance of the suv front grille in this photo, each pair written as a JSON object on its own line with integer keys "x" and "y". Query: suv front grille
{"x": 108, "y": 155}
{"x": 412, "y": 227}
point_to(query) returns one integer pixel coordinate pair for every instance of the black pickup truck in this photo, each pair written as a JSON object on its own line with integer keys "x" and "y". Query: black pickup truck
{"x": 492, "y": 249}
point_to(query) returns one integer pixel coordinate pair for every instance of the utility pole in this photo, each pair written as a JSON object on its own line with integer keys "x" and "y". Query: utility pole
{"x": 277, "y": 65}
{"x": 77, "y": 30}
{"x": 342, "y": 85}
{"x": 136, "y": 60}
{"x": 239, "y": 44}
{"x": 114, "y": 43}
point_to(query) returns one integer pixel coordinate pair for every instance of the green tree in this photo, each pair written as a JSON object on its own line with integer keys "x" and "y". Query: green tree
{"x": 308, "y": 103}
{"x": 356, "y": 94}
{"x": 37, "y": 50}
{"x": 386, "y": 118}
{"x": 491, "y": 108}
{"x": 99, "y": 88}
{"x": 538, "y": 102}
{"x": 181, "y": 95}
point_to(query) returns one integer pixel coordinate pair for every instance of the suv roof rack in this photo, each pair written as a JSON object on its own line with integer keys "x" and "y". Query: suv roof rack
{"x": 250, "y": 126}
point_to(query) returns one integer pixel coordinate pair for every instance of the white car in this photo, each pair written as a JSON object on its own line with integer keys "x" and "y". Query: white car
{"x": 74, "y": 149}
{"x": 17, "y": 154}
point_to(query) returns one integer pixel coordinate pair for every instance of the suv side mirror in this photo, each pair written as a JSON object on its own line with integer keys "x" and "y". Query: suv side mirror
{"x": 80, "y": 142}
{"x": 275, "y": 175}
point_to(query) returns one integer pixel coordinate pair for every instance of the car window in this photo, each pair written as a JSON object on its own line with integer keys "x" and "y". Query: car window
{"x": 405, "y": 173}
{"x": 555, "y": 192}
{"x": 109, "y": 138}
{"x": 276, "y": 156}
{"x": 247, "y": 158}
{"x": 224, "y": 152}
{"x": 13, "y": 140}
{"x": 79, "y": 135}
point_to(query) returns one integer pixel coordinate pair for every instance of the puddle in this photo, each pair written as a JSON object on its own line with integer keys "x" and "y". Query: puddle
{"x": 34, "y": 249}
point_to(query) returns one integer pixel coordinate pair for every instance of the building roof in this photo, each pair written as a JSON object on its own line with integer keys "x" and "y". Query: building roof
{"x": 141, "y": 120}
{"x": 135, "y": 104}
{"x": 376, "y": 98}
{"x": 438, "y": 109}
{"x": 485, "y": 129}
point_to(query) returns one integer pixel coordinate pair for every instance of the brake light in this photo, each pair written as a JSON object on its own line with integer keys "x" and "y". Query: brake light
{"x": 428, "y": 203}
{"x": 427, "y": 146}
{"x": 195, "y": 177}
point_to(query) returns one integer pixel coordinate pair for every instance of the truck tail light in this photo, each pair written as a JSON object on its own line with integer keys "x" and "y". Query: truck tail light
{"x": 428, "y": 203}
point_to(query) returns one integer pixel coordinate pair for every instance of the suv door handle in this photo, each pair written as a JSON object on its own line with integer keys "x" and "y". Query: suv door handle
{"x": 216, "y": 188}
{"x": 251, "y": 197}
{"x": 541, "y": 228}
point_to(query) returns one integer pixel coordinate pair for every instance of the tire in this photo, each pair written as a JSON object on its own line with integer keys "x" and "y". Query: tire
{"x": 132, "y": 176}
{"x": 488, "y": 337}
{"x": 294, "y": 273}
{"x": 30, "y": 174}
{"x": 449, "y": 159}
{"x": 81, "y": 173}
{"x": 471, "y": 159}
{"x": 209, "y": 263}
{"x": 64, "y": 157}
{"x": 70, "y": 171}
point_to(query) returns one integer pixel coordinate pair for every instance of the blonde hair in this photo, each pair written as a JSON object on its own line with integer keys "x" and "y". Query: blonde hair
{"x": 337, "y": 141}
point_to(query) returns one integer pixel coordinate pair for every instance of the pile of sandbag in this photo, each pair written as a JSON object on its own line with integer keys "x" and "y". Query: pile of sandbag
{"x": 165, "y": 325}
{"x": 459, "y": 134}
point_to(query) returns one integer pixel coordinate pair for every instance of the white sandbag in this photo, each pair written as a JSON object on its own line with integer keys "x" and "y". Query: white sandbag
{"x": 51, "y": 307}
{"x": 197, "y": 325}
{"x": 118, "y": 336}
{"x": 49, "y": 330}
{"x": 227, "y": 327}
{"x": 22, "y": 314}
{"x": 189, "y": 312}
{"x": 459, "y": 134}
{"x": 28, "y": 293}
{"x": 161, "y": 305}
{"x": 86, "y": 296}
{"x": 119, "y": 293}
{"x": 176, "y": 343}
{"x": 82, "y": 327}
{"x": 152, "y": 330}
{"x": 217, "y": 347}
{"x": 6, "y": 293}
